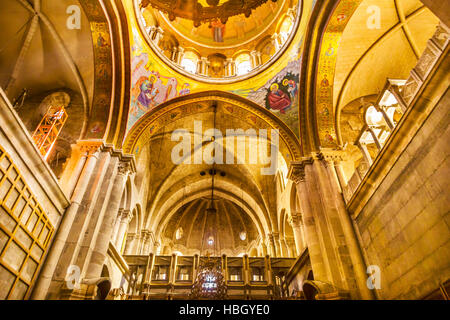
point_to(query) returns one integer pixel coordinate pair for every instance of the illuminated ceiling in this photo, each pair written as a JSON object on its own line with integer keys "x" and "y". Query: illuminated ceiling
{"x": 266, "y": 34}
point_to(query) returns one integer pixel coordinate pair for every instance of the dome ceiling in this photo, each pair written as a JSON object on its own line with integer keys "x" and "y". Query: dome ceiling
{"x": 237, "y": 31}
{"x": 227, "y": 49}
{"x": 230, "y": 230}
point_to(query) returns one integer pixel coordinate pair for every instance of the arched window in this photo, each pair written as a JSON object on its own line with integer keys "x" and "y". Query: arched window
{"x": 190, "y": 62}
{"x": 243, "y": 64}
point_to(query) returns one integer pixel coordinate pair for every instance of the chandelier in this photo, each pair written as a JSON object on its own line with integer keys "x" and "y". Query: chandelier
{"x": 210, "y": 282}
{"x": 193, "y": 10}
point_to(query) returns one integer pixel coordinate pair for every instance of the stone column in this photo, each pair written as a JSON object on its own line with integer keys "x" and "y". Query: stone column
{"x": 297, "y": 175}
{"x": 174, "y": 54}
{"x": 284, "y": 248}
{"x": 146, "y": 242}
{"x": 271, "y": 248}
{"x": 156, "y": 247}
{"x": 125, "y": 219}
{"x": 296, "y": 224}
{"x": 203, "y": 66}
{"x": 180, "y": 55}
{"x": 263, "y": 249}
{"x": 276, "y": 41}
{"x": 352, "y": 243}
{"x": 90, "y": 151}
{"x": 100, "y": 250}
{"x": 290, "y": 243}
{"x": 255, "y": 58}
{"x": 130, "y": 244}
{"x": 277, "y": 244}
{"x": 116, "y": 225}
{"x": 388, "y": 120}
{"x": 151, "y": 32}
{"x": 230, "y": 67}
{"x": 72, "y": 170}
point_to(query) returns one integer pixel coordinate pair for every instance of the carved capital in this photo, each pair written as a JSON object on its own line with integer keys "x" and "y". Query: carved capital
{"x": 295, "y": 219}
{"x": 126, "y": 216}
{"x": 296, "y": 172}
{"x": 90, "y": 146}
{"x": 124, "y": 168}
{"x": 147, "y": 236}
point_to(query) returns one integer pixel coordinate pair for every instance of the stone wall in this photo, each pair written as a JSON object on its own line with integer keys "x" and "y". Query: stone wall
{"x": 405, "y": 225}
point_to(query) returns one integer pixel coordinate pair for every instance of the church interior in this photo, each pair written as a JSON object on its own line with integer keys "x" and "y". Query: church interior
{"x": 224, "y": 149}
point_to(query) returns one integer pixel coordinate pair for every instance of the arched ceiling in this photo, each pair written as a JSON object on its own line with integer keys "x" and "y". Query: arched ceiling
{"x": 169, "y": 186}
{"x": 368, "y": 56}
{"x": 351, "y": 48}
{"x": 227, "y": 227}
{"x": 78, "y": 47}
{"x": 40, "y": 53}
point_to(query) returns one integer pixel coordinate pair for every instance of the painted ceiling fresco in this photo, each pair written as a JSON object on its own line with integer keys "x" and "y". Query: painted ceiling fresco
{"x": 154, "y": 82}
{"x": 237, "y": 30}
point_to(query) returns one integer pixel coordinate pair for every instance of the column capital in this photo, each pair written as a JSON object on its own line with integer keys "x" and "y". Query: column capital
{"x": 126, "y": 216}
{"x": 296, "y": 172}
{"x": 124, "y": 168}
{"x": 295, "y": 219}
{"x": 90, "y": 146}
{"x": 147, "y": 235}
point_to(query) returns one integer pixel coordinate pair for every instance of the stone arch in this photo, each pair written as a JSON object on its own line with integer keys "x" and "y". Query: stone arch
{"x": 141, "y": 132}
